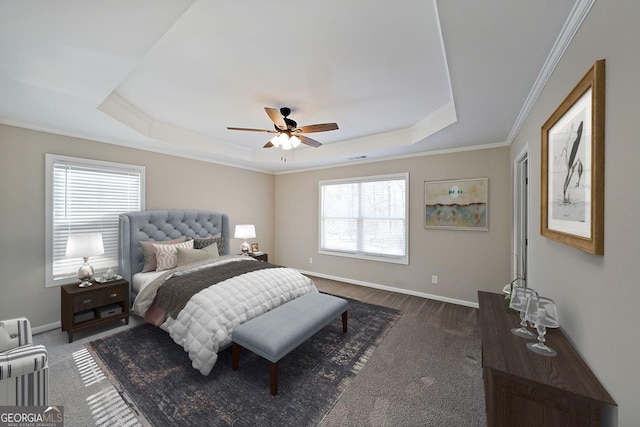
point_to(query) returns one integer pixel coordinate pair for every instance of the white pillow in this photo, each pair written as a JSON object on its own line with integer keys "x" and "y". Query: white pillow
{"x": 167, "y": 255}
{"x": 189, "y": 256}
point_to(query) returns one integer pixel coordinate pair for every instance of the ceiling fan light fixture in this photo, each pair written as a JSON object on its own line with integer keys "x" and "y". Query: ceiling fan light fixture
{"x": 286, "y": 143}
{"x": 295, "y": 141}
{"x": 278, "y": 140}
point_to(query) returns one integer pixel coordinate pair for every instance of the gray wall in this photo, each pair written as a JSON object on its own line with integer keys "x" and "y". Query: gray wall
{"x": 598, "y": 296}
{"x": 465, "y": 261}
{"x": 171, "y": 182}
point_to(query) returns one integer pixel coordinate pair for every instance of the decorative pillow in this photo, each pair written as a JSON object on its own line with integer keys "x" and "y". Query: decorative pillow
{"x": 187, "y": 256}
{"x": 167, "y": 255}
{"x": 203, "y": 242}
{"x": 150, "y": 263}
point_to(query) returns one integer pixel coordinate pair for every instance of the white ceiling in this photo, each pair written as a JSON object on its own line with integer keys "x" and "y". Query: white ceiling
{"x": 399, "y": 78}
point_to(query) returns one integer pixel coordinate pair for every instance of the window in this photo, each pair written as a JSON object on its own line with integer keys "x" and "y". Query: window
{"x": 365, "y": 218}
{"x": 86, "y": 196}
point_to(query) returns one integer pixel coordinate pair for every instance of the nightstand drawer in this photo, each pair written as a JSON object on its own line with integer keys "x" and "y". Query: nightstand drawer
{"x": 99, "y": 298}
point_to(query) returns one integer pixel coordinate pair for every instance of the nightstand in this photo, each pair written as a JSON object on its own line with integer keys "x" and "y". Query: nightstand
{"x": 262, "y": 257}
{"x": 83, "y": 308}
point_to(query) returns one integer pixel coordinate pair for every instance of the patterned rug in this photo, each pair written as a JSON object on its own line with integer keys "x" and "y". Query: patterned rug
{"x": 154, "y": 373}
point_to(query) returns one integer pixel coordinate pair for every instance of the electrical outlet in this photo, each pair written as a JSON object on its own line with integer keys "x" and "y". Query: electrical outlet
{"x": 310, "y": 260}
{"x": 434, "y": 280}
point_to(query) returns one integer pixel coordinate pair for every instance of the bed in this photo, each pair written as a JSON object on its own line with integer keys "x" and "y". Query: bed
{"x": 195, "y": 289}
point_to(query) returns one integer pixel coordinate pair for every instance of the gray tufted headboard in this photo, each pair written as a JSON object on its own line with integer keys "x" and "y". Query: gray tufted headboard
{"x": 164, "y": 225}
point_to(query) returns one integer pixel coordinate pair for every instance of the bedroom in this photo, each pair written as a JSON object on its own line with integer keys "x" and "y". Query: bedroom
{"x": 278, "y": 204}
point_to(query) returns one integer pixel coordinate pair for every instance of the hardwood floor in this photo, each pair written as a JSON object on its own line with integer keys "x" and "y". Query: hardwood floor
{"x": 452, "y": 317}
{"x": 425, "y": 371}
{"x": 405, "y": 303}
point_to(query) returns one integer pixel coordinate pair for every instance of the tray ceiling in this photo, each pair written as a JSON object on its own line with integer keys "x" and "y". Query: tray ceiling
{"x": 170, "y": 76}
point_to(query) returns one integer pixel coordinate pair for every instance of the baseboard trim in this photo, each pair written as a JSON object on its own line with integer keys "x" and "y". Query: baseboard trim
{"x": 44, "y": 328}
{"x": 392, "y": 289}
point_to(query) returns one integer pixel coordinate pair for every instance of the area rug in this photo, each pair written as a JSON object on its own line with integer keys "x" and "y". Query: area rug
{"x": 156, "y": 376}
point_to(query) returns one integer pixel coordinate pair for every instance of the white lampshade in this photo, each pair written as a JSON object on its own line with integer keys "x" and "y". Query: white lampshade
{"x": 245, "y": 231}
{"x": 84, "y": 245}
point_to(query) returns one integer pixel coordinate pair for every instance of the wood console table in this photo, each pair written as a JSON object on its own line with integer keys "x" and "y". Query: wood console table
{"x": 523, "y": 388}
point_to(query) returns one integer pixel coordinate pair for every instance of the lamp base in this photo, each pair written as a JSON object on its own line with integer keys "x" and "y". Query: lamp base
{"x": 85, "y": 274}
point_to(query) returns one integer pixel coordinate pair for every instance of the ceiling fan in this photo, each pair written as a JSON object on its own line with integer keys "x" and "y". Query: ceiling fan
{"x": 289, "y": 134}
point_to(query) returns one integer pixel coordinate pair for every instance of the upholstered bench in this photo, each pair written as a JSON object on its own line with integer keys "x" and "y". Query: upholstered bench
{"x": 277, "y": 332}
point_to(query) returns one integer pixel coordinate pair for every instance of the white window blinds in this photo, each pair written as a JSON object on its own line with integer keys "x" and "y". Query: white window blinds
{"x": 365, "y": 218}
{"x": 87, "y": 196}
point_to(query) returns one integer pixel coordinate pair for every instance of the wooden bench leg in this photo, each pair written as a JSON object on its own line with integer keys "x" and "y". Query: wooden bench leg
{"x": 235, "y": 356}
{"x": 274, "y": 378}
{"x": 344, "y": 321}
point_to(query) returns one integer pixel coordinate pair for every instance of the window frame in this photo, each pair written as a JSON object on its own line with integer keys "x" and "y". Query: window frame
{"x": 358, "y": 254}
{"x": 50, "y": 161}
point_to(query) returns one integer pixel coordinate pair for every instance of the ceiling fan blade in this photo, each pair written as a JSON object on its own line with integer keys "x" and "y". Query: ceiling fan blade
{"x": 268, "y": 145}
{"x": 323, "y": 127}
{"x": 310, "y": 142}
{"x": 254, "y": 130}
{"x": 276, "y": 118}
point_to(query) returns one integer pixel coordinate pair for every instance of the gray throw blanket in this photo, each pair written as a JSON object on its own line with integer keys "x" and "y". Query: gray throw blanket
{"x": 174, "y": 294}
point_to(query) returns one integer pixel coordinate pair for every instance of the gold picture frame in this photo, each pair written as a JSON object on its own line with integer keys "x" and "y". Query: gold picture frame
{"x": 572, "y": 166}
{"x": 254, "y": 247}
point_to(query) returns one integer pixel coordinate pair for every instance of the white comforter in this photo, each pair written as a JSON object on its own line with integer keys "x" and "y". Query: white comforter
{"x": 205, "y": 324}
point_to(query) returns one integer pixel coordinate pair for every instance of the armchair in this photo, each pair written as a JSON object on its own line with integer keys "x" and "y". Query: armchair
{"x": 24, "y": 372}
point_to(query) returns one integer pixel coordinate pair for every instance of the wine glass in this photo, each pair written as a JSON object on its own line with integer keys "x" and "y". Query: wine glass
{"x": 519, "y": 298}
{"x": 542, "y": 312}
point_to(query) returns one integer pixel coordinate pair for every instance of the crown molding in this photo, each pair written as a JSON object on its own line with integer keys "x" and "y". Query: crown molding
{"x": 571, "y": 26}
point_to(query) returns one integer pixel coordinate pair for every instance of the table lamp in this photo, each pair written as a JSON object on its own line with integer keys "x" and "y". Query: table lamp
{"x": 84, "y": 245}
{"x": 245, "y": 231}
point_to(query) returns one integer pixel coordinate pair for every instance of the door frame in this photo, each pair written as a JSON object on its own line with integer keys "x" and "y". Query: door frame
{"x": 520, "y": 213}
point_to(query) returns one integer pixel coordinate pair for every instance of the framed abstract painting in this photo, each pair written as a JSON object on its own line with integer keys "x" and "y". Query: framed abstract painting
{"x": 461, "y": 204}
{"x": 572, "y": 167}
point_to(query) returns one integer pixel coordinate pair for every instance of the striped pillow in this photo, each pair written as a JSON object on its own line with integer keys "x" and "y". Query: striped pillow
{"x": 167, "y": 255}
